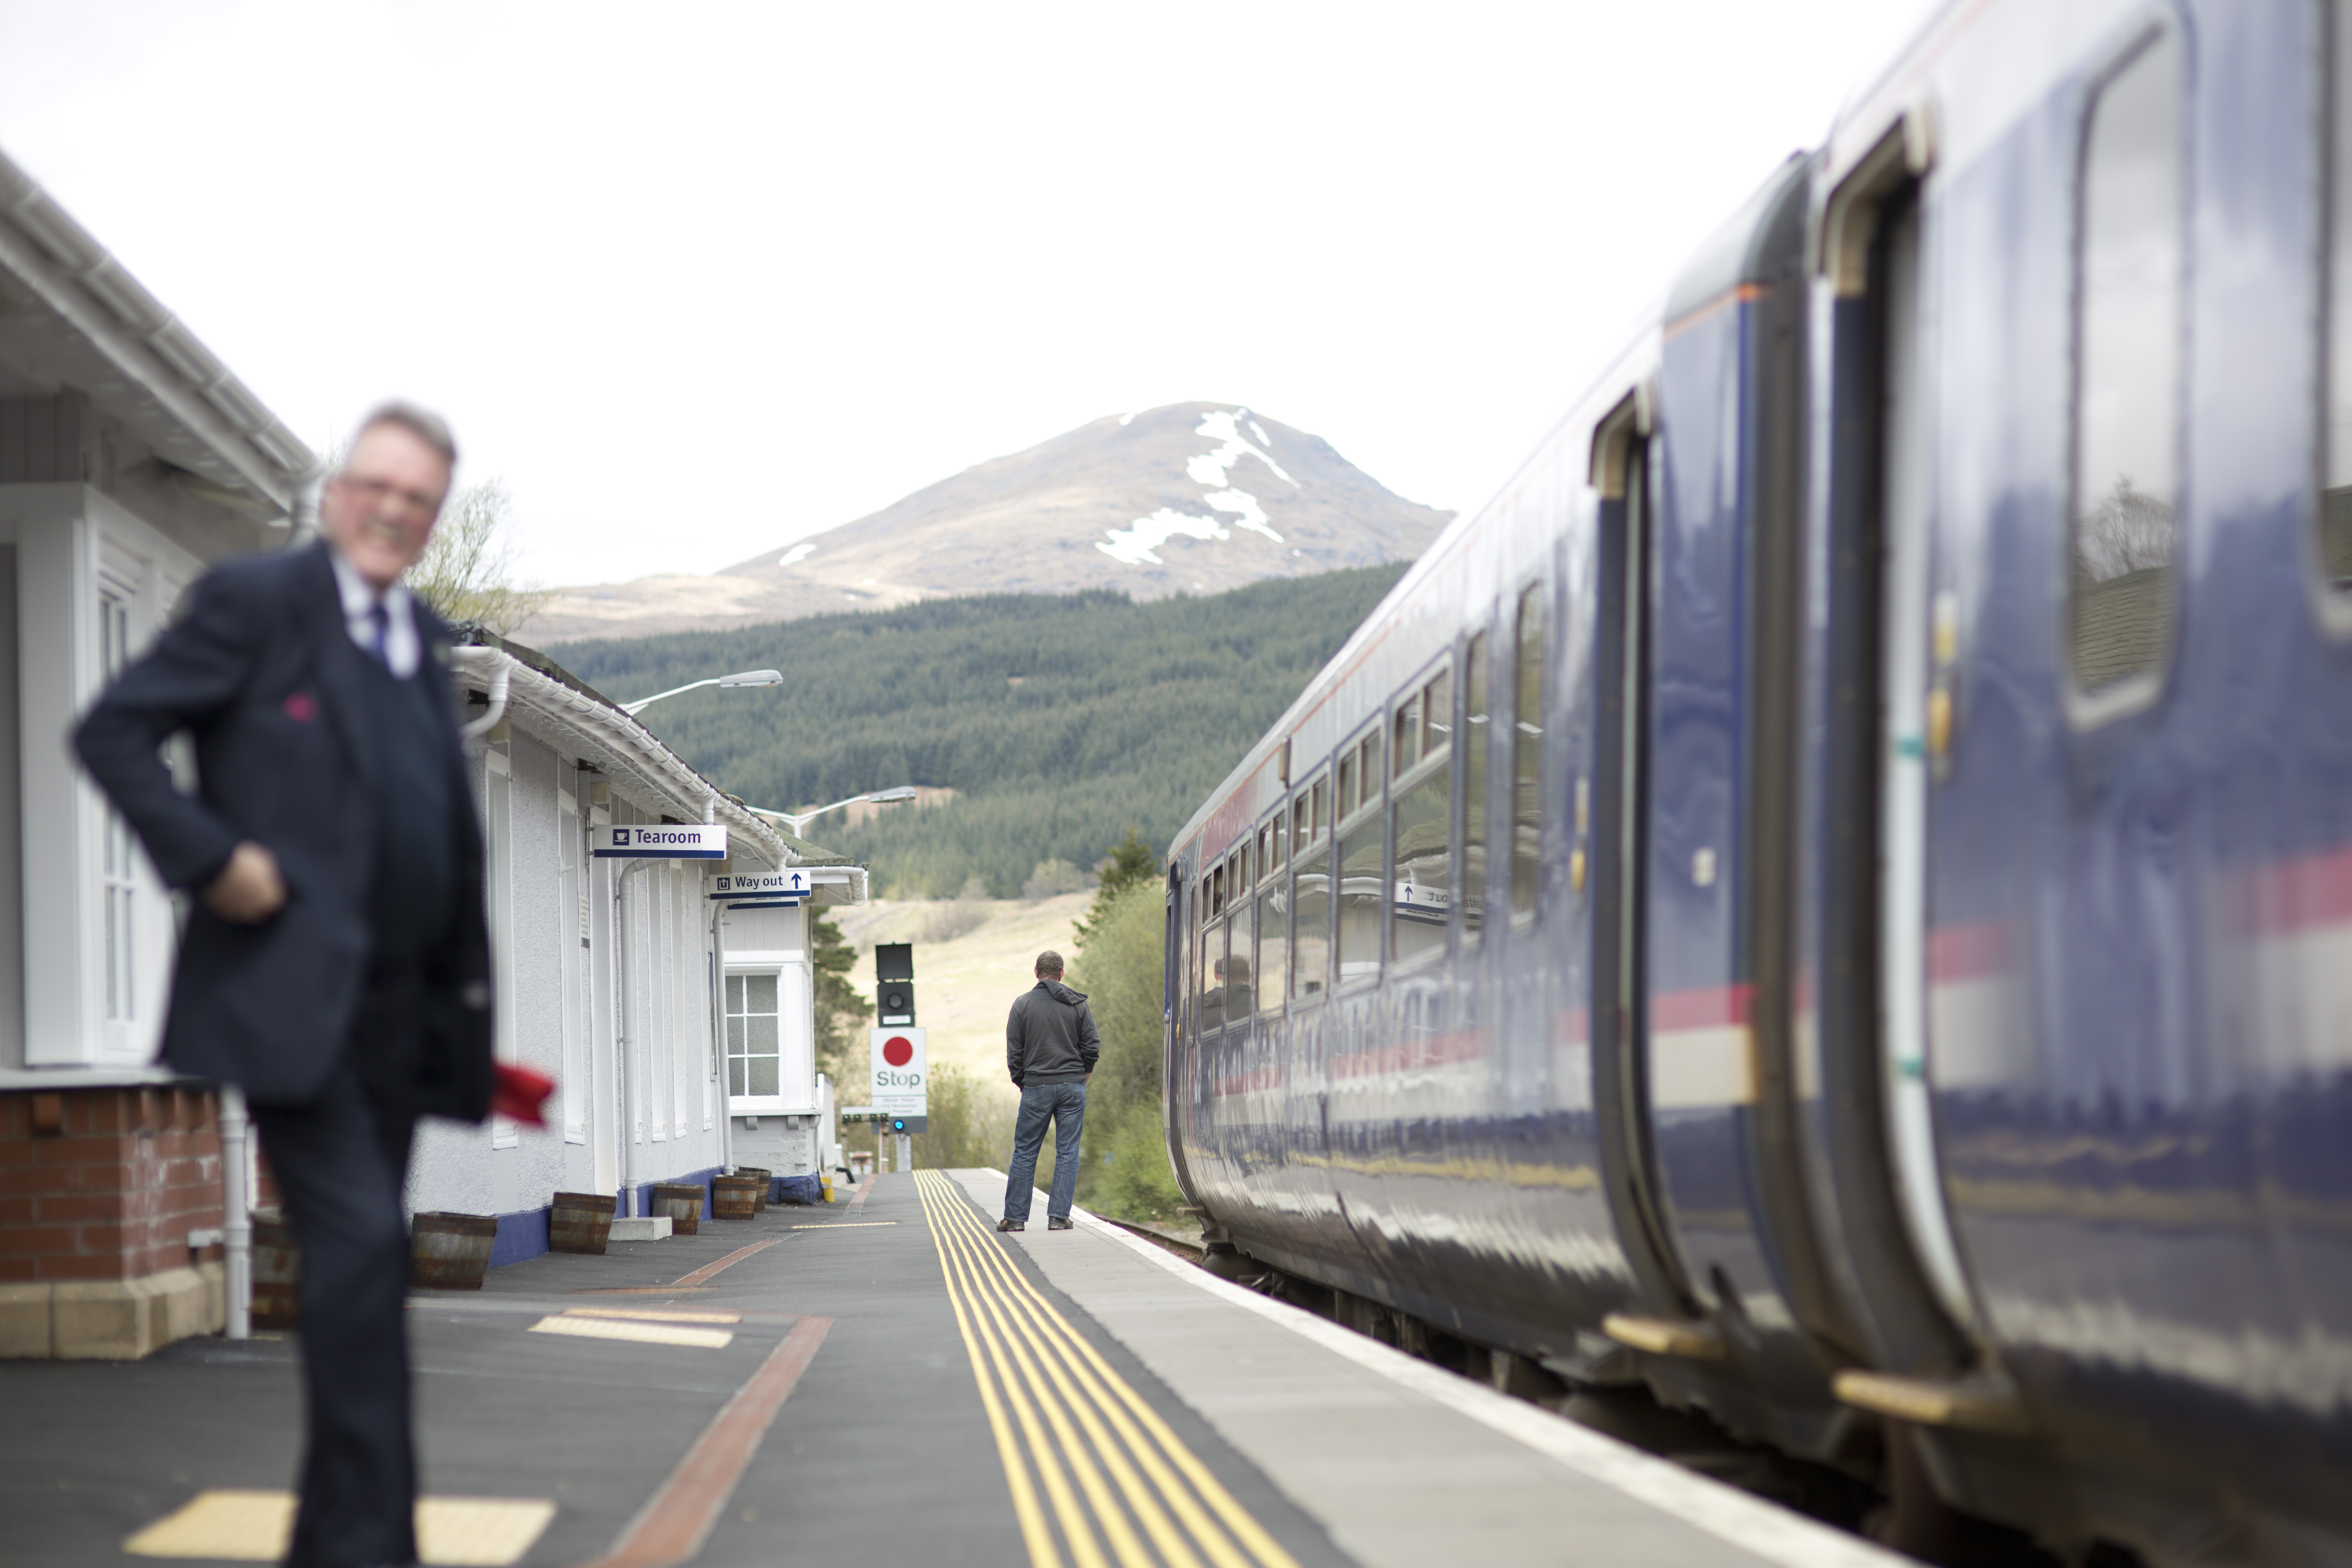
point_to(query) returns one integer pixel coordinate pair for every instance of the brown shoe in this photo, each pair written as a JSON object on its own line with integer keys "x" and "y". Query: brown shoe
{"x": 1012, "y": 1224}
{"x": 1058, "y": 1221}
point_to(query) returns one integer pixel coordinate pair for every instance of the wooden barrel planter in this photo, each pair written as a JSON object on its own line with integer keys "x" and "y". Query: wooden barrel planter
{"x": 277, "y": 1272}
{"x": 579, "y": 1221}
{"x": 682, "y": 1201}
{"x": 766, "y": 1179}
{"x": 735, "y": 1197}
{"x": 450, "y": 1251}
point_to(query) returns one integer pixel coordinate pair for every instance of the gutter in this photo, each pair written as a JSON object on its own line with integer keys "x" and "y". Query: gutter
{"x": 616, "y": 744}
{"x": 73, "y": 276}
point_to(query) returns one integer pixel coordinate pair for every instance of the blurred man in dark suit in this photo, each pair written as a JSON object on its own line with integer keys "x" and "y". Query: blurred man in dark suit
{"x": 335, "y": 963}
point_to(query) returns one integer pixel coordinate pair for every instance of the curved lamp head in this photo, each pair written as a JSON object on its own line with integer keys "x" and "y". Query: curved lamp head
{"x": 888, "y": 796}
{"x": 752, "y": 678}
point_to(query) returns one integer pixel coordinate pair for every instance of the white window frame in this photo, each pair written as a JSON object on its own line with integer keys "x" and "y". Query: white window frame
{"x": 796, "y": 1060}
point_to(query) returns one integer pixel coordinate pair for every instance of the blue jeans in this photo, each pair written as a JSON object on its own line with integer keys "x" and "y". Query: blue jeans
{"x": 1064, "y": 1104}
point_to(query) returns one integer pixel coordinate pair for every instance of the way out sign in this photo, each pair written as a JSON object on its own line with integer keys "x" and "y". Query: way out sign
{"x": 899, "y": 1073}
{"x": 663, "y": 841}
{"x": 768, "y": 888}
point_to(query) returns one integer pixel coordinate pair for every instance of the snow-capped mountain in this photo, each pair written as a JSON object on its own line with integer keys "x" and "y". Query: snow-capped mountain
{"x": 1192, "y": 498}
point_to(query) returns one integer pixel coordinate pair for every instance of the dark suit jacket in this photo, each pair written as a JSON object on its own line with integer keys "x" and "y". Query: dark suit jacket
{"x": 260, "y": 670}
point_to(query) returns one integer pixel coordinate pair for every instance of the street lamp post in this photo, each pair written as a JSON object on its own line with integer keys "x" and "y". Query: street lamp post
{"x": 740, "y": 678}
{"x": 797, "y": 821}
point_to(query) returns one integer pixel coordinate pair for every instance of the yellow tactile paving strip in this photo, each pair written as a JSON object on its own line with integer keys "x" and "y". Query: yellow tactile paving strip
{"x": 1118, "y": 1487}
{"x": 226, "y": 1525}
{"x": 634, "y": 1330}
{"x": 654, "y": 1314}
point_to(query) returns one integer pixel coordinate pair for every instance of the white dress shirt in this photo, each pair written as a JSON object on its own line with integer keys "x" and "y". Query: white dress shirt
{"x": 401, "y": 648}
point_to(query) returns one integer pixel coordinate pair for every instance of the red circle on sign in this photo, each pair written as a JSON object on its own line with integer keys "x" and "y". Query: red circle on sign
{"x": 897, "y": 1050}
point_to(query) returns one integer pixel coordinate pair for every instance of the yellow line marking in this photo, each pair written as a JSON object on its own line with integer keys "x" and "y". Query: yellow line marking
{"x": 233, "y": 1525}
{"x": 653, "y": 1314}
{"x": 846, "y": 1225}
{"x": 1036, "y": 1534}
{"x": 1073, "y": 1385}
{"x": 641, "y": 1334}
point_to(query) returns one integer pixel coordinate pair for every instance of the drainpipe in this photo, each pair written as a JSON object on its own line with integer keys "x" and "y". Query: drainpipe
{"x": 237, "y": 1210}
{"x": 621, "y": 1037}
{"x": 719, "y": 1034}
{"x": 718, "y": 1012}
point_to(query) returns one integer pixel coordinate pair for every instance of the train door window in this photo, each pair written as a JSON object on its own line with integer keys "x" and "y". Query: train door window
{"x": 2335, "y": 477}
{"x": 1526, "y": 755}
{"x": 1420, "y": 821}
{"x": 2127, "y": 363}
{"x": 1361, "y": 870}
{"x": 1475, "y": 737}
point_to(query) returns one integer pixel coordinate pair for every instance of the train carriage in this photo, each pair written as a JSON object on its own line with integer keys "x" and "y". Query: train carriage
{"x": 1831, "y": 895}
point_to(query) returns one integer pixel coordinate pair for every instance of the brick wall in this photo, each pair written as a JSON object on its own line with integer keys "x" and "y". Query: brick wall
{"x": 106, "y": 1183}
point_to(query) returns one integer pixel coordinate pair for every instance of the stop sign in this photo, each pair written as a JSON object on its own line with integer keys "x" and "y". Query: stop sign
{"x": 899, "y": 1072}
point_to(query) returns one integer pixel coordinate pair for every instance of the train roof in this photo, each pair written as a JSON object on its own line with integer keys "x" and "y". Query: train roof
{"x": 1747, "y": 247}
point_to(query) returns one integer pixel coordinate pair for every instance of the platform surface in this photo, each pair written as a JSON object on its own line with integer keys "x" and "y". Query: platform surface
{"x": 883, "y": 1382}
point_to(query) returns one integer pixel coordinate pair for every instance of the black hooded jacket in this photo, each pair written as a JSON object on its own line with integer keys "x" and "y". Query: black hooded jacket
{"x": 1051, "y": 1037}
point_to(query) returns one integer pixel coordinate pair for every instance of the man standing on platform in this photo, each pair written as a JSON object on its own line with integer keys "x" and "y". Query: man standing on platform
{"x": 335, "y": 963}
{"x": 1050, "y": 1047}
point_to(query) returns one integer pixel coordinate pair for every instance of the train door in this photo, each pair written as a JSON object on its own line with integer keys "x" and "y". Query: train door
{"x": 1908, "y": 709}
{"x": 1872, "y": 700}
{"x": 1620, "y": 796}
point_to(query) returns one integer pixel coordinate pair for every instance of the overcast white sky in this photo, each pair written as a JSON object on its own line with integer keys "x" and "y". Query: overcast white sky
{"x": 698, "y": 280}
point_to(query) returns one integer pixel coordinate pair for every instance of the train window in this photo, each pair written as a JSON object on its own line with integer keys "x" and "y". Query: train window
{"x": 2127, "y": 371}
{"x": 1310, "y": 925}
{"x": 1281, "y": 831}
{"x": 1526, "y": 755}
{"x": 1212, "y": 982}
{"x": 1216, "y": 892}
{"x": 1192, "y": 964}
{"x": 1241, "y": 961}
{"x": 1475, "y": 734}
{"x": 1368, "y": 768}
{"x": 1322, "y": 817}
{"x": 1349, "y": 791}
{"x": 1407, "y": 749}
{"x": 1273, "y": 946}
{"x": 1437, "y": 711}
{"x": 1362, "y": 873}
{"x": 1420, "y": 820}
{"x": 2335, "y": 495}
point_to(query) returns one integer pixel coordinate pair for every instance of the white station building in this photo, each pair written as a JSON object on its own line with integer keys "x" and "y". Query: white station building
{"x": 130, "y": 458}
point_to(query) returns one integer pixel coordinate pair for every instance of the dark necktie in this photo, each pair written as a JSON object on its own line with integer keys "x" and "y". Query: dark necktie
{"x": 378, "y": 639}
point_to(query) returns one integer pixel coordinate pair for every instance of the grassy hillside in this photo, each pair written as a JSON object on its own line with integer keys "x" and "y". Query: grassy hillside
{"x": 1064, "y": 720}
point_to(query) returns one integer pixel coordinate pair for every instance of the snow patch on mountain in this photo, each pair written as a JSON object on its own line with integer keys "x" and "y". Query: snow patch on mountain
{"x": 797, "y": 552}
{"x": 1212, "y": 467}
{"x": 1212, "y": 470}
{"x": 1253, "y": 515}
{"x": 1134, "y": 544}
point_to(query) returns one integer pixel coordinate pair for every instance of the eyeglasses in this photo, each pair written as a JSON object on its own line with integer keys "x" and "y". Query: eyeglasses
{"x": 379, "y": 489}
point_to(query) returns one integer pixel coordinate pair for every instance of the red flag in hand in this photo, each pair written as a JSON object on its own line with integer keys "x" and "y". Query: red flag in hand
{"x": 519, "y": 1092}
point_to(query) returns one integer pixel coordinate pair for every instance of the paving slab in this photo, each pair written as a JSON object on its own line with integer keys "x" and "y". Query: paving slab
{"x": 1402, "y": 1463}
